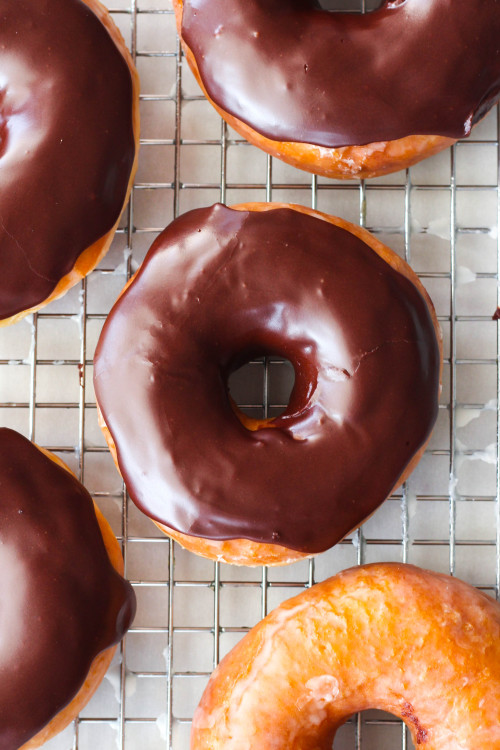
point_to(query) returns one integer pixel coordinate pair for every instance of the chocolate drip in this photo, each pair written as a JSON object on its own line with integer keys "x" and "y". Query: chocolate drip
{"x": 220, "y": 285}
{"x": 61, "y": 601}
{"x": 294, "y": 72}
{"x": 66, "y": 143}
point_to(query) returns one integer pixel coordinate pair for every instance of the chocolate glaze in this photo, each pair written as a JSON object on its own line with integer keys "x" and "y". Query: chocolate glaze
{"x": 294, "y": 72}
{"x": 219, "y": 286}
{"x": 61, "y": 601}
{"x": 66, "y": 143}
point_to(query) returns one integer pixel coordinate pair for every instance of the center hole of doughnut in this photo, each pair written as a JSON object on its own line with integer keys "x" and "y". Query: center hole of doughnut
{"x": 351, "y": 6}
{"x": 262, "y": 386}
{"x": 381, "y": 729}
{"x": 3, "y": 126}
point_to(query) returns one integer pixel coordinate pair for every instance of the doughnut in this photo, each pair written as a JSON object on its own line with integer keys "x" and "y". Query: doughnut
{"x": 69, "y": 130}
{"x": 418, "y": 644}
{"x": 345, "y": 94}
{"x": 220, "y": 286}
{"x": 63, "y": 602}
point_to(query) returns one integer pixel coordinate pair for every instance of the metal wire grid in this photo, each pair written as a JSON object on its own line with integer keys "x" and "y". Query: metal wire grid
{"x": 184, "y": 583}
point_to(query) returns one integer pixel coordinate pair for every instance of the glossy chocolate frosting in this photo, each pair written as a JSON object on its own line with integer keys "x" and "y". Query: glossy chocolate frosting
{"x": 66, "y": 143}
{"x": 295, "y": 72}
{"x": 61, "y": 601}
{"x": 220, "y": 286}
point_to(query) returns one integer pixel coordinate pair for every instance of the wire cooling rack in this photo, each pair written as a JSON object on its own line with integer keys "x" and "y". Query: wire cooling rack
{"x": 442, "y": 216}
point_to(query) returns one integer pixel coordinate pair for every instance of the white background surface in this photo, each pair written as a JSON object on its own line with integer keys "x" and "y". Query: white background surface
{"x": 443, "y": 216}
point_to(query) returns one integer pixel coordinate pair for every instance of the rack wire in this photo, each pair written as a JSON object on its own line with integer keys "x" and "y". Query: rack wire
{"x": 443, "y": 217}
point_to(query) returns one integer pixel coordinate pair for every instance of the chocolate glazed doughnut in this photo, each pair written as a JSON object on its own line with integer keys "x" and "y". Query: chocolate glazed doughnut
{"x": 220, "y": 286}
{"x": 345, "y": 94}
{"x": 69, "y": 129}
{"x": 63, "y": 602}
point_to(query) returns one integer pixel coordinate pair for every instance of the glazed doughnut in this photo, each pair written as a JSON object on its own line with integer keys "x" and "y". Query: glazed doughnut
{"x": 63, "y": 602}
{"x": 69, "y": 130}
{"x": 343, "y": 94}
{"x": 220, "y": 286}
{"x": 420, "y": 645}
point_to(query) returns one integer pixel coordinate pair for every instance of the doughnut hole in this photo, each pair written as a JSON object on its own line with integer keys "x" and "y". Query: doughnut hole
{"x": 3, "y": 137}
{"x": 351, "y": 6}
{"x": 378, "y": 729}
{"x": 260, "y": 389}
{"x": 3, "y": 126}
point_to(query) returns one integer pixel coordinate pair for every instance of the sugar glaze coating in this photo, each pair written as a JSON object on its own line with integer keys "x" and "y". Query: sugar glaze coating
{"x": 418, "y": 644}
